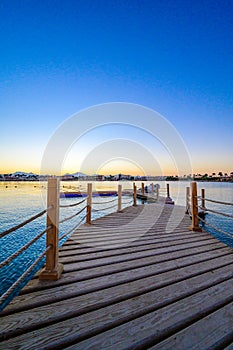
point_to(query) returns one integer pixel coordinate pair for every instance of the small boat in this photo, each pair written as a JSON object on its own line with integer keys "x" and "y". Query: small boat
{"x": 72, "y": 194}
{"x": 141, "y": 196}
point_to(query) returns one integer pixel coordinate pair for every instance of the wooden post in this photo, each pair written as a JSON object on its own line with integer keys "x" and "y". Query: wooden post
{"x": 143, "y": 189}
{"x": 119, "y": 197}
{"x": 134, "y": 195}
{"x": 203, "y": 198}
{"x": 168, "y": 192}
{"x": 194, "y": 202}
{"x": 187, "y": 200}
{"x": 168, "y": 199}
{"x": 152, "y": 188}
{"x": 157, "y": 192}
{"x": 89, "y": 201}
{"x": 53, "y": 269}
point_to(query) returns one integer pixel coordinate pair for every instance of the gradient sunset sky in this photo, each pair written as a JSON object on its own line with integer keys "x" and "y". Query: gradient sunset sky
{"x": 62, "y": 56}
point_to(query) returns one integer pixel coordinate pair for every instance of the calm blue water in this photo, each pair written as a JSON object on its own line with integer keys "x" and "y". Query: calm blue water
{"x": 21, "y": 200}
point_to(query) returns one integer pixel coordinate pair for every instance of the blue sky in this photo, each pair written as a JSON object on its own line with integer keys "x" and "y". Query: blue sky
{"x": 59, "y": 57}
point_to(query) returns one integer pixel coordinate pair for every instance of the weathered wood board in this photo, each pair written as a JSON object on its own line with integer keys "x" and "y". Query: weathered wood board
{"x": 129, "y": 283}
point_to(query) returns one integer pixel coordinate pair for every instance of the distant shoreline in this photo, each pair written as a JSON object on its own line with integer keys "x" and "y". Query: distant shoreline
{"x": 79, "y": 176}
{"x": 219, "y": 180}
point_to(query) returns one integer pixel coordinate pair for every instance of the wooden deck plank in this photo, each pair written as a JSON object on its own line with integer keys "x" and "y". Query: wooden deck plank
{"x": 137, "y": 231}
{"x": 130, "y": 251}
{"x": 134, "y": 246}
{"x": 125, "y": 323}
{"x": 142, "y": 256}
{"x": 157, "y": 257}
{"x": 111, "y": 243}
{"x": 75, "y": 244}
{"x": 56, "y": 312}
{"x": 212, "y": 332}
{"x": 150, "y": 234}
{"x": 81, "y": 285}
{"x": 120, "y": 277}
{"x": 135, "y": 279}
{"x": 155, "y": 326}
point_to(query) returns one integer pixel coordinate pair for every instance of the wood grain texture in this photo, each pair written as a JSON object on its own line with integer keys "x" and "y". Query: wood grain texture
{"x": 135, "y": 279}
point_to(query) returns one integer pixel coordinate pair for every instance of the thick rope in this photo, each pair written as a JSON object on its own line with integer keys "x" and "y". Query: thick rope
{"x": 216, "y": 212}
{"x": 22, "y": 249}
{"x": 106, "y": 208}
{"x": 105, "y": 202}
{"x": 214, "y": 201}
{"x": 130, "y": 201}
{"x": 72, "y": 216}
{"x": 215, "y": 228}
{"x": 25, "y": 222}
{"x": 15, "y": 285}
{"x": 72, "y": 229}
{"x": 72, "y": 205}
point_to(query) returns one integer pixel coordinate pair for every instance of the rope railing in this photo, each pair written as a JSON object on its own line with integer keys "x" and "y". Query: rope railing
{"x": 215, "y": 228}
{"x": 72, "y": 205}
{"x": 193, "y": 207}
{"x": 215, "y": 212}
{"x": 128, "y": 201}
{"x": 214, "y": 201}
{"x": 73, "y": 228}
{"x": 22, "y": 224}
{"x": 105, "y": 202}
{"x": 23, "y": 248}
{"x": 72, "y": 216}
{"x": 23, "y": 276}
{"x": 105, "y": 208}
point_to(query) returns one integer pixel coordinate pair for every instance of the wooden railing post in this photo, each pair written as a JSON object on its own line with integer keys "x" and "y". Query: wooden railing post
{"x": 53, "y": 269}
{"x": 89, "y": 201}
{"x": 194, "y": 202}
{"x": 168, "y": 199}
{"x": 143, "y": 188}
{"x": 168, "y": 192}
{"x": 203, "y": 198}
{"x": 157, "y": 192}
{"x": 119, "y": 197}
{"x": 187, "y": 200}
{"x": 134, "y": 195}
{"x": 152, "y": 189}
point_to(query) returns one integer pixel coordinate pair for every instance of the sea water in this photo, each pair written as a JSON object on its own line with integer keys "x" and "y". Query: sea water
{"x": 21, "y": 200}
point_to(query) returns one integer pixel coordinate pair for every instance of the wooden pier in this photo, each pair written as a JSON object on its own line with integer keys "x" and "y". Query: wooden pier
{"x": 136, "y": 279}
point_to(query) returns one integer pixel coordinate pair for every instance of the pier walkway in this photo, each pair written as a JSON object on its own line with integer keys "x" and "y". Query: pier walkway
{"x": 138, "y": 279}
